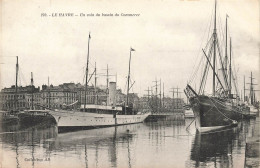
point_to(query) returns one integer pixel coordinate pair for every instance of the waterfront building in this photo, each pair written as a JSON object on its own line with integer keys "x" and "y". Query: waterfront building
{"x": 66, "y": 95}
{"x": 10, "y": 100}
{"x": 57, "y": 96}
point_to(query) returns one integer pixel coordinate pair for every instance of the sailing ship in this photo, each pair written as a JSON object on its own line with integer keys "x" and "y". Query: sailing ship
{"x": 220, "y": 109}
{"x": 251, "y": 105}
{"x": 94, "y": 115}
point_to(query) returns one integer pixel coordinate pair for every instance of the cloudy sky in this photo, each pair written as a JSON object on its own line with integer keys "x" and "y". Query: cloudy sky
{"x": 167, "y": 36}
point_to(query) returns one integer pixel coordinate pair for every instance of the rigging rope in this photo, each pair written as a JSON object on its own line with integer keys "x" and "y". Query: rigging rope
{"x": 194, "y": 74}
{"x": 222, "y": 66}
{"x": 205, "y": 74}
{"x": 219, "y": 102}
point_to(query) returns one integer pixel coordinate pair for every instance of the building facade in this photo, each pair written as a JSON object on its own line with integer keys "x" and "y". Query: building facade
{"x": 20, "y": 99}
{"x": 66, "y": 95}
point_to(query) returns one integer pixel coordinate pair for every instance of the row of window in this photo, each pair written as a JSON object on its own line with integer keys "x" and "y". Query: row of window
{"x": 12, "y": 96}
{"x": 58, "y": 93}
{"x": 12, "y": 105}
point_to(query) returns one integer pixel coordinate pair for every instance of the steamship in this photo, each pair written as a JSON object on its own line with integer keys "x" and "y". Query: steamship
{"x": 94, "y": 115}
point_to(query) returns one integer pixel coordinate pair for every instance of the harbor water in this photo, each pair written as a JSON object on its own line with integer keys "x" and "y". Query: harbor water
{"x": 162, "y": 143}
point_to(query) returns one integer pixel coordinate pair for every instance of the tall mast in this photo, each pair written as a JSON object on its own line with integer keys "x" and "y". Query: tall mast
{"x": 148, "y": 94}
{"x": 48, "y": 93}
{"x": 32, "y": 89}
{"x": 95, "y": 84}
{"x": 251, "y": 88}
{"x": 173, "y": 97}
{"x": 160, "y": 93}
{"x": 244, "y": 89}
{"x": 254, "y": 99}
{"x": 16, "y": 78}
{"x": 214, "y": 56}
{"x": 156, "y": 95}
{"x": 230, "y": 70}
{"x": 128, "y": 77}
{"x": 86, "y": 84}
{"x": 107, "y": 85}
{"x": 116, "y": 78}
{"x": 177, "y": 98}
{"x": 163, "y": 96}
{"x": 115, "y": 98}
{"x": 226, "y": 58}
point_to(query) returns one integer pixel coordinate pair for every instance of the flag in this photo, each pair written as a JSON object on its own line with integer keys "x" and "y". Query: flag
{"x": 89, "y": 36}
{"x": 132, "y": 49}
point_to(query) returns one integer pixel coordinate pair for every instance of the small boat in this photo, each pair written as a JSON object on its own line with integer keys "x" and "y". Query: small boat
{"x": 34, "y": 117}
{"x": 188, "y": 113}
{"x": 9, "y": 117}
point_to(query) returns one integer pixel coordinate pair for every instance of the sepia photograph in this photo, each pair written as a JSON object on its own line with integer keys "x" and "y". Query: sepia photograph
{"x": 129, "y": 84}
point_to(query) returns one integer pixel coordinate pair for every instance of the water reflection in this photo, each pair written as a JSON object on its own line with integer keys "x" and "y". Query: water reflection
{"x": 164, "y": 143}
{"x": 217, "y": 149}
{"x": 210, "y": 147}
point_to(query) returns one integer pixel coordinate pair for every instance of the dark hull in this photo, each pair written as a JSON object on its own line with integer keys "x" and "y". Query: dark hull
{"x": 32, "y": 120}
{"x": 9, "y": 118}
{"x": 212, "y": 113}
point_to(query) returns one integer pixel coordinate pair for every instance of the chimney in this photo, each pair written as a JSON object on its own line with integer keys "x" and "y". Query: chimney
{"x": 112, "y": 94}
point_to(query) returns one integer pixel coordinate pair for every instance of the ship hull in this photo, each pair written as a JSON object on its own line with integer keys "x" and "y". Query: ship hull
{"x": 212, "y": 114}
{"x": 76, "y": 119}
{"x": 35, "y": 117}
{"x": 9, "y": 118}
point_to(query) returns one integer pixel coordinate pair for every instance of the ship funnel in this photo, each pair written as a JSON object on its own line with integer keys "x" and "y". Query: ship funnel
{"x": 112, "y": 94}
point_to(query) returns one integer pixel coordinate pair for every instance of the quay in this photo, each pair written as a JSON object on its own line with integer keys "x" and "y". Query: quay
{"x": 252, "y": 147}
{"x": 179, "y": 116}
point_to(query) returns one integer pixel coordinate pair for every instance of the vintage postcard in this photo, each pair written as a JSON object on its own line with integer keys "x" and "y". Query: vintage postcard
{"x": 137, "y": 84}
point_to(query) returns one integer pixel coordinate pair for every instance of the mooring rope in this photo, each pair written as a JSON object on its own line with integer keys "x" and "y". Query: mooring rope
{"x": 220, "y": 111}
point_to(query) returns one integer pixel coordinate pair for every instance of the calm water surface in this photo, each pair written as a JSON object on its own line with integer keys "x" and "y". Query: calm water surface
{"x": 163, "y": 143}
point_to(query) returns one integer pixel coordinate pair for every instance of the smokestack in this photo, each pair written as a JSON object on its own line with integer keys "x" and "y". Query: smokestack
{"x": 112, "y": 94}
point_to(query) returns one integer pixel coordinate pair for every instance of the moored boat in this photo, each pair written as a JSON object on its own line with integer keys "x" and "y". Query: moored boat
{"x": 219, "y": 109}
{"x": 9, "y": 117}
{"x": 35, "y": 117}
{"x": 211, "y": 114}
{"x": 94, "y": 115}
{"x": 188, "y": 113}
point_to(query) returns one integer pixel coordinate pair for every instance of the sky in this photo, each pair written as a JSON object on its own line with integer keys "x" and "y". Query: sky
{"x": 167, "y": 36}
